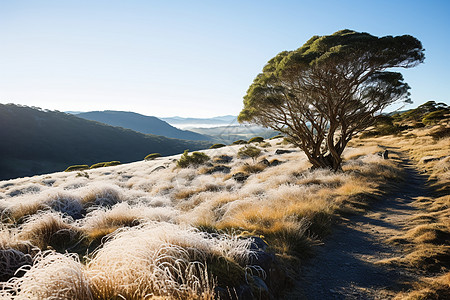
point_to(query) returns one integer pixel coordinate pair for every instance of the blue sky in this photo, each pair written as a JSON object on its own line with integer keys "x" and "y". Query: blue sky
{"x": 189, "y": 58}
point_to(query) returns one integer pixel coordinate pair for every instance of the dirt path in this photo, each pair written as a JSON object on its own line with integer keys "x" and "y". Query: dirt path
{"x": 345, "y": 267}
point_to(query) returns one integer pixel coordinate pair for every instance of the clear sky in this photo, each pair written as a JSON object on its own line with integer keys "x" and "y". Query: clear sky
{"x": 189, "y": 58}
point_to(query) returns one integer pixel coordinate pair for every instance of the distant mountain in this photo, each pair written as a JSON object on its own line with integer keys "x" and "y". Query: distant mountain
{"x": 141, "y": 123}
{"x": 195, "y": 122}
{"x": 35, "y": 141}
{"x": 229, "y": 134}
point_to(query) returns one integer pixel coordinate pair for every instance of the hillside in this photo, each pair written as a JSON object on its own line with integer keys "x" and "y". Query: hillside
{"x": 141, "y": 123}
{"x": 37, "y": 141}
{"x": 233, "y": 227}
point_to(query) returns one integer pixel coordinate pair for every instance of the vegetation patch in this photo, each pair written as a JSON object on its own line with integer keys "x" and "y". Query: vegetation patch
{"x": 249, "y": 151}
{"x": 195, "y": 159}
{"x": 217, "y": 146}
{"x": 152, "y": 156}
{"x": 77, "y": 168}
{"x": 256, "y": 139}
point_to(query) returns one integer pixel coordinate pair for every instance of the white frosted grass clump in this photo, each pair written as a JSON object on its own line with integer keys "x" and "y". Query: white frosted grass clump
{"x": 40, "y": 229}
{"x": 126, "y": 214}
{"x": 101, "y": 194}
{"x": 65, "y": 203}
{"x": 161, "y": 259}
{"x": 26, "y": 189}
{"x": 52, "y": 276}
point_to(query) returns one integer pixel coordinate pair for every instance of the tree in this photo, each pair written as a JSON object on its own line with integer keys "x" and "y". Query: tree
{"x": 331, "y": 88}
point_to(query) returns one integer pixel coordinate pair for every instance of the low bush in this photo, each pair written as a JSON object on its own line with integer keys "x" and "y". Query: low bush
{"x": 249, "y": 151}
{"x": 77, "y": 168}
{"x": 195, "y": 159}
{"x": 216, "y": 146}
{"x": 240, "y": 142}
{"x": 112, "y": 163}
{"x": 256, "y": 139}
{"x": 435, "y": 116}
{"x": 152, "y": 156}
{"x": 97, "y": 165}
{"x": 279, "y": 136}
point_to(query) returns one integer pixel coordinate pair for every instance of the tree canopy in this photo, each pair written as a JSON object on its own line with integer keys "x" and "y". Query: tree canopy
{"x": 329, "y": 89}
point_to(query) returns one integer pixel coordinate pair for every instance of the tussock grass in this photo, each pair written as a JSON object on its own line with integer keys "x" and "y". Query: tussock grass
{"x": 164, "y": 262}
{"x": 49, "y": 229}
{"x": 143, "y": 218}
{"x": 102, "y": 196}
{"x": 52, "y": 276}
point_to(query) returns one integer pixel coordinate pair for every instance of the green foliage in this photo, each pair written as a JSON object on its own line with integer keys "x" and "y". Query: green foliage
{"x": 112, "y": 163}
{"x": 239, "y": 142}
{"x": 256, "y": 139}
{"x": 419, "y": 113}
{"x": 105, "y": 164}
{"x": 195, "y": 159}
{"x": 216, "y": 146}
{"x": 77, "y": 168}
{"x": 249, "y": 151}
{"x": 152, "y": 156}
{"x": 279, "y": 136}
{"x": 435, "y": 116}
{"x": 98, "y": 165}
{"x": 352, "y": 67}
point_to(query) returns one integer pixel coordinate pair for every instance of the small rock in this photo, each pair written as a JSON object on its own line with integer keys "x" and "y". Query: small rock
{"x": 275, "y": 162}
{"x": 282, "y": 151}
{"x": 240, "y": 177}
{"x": 223, "y": 159}
{"x": 219, "y": 168}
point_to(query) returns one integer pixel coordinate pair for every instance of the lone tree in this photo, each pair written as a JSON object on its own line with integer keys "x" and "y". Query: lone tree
{"x": 331, "y": 88}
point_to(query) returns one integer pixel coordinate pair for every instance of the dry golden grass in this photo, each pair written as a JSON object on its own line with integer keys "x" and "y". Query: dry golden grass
{"x": 427, "y": 240}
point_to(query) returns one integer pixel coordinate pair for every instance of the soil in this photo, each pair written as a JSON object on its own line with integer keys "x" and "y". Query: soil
{"x": 347, "y": 265}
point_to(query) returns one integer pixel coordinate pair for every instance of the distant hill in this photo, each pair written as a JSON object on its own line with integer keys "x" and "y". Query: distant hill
{"x": 141, "y": 123}
{"x": 35, "y": 141}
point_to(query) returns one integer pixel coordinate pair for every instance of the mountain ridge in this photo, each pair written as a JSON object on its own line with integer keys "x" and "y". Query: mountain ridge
{"x": 141, "y": 123}
{"x": 41, "y": 141}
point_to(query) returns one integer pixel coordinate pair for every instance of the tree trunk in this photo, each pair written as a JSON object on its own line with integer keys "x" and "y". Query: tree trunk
{"x": 326, "y": 162}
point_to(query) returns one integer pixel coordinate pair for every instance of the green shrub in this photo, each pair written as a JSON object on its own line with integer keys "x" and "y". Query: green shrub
{"x": 105, "y": 164}
{"x": 239, "y": 142}
{"x": 256, "y": 139}
{"x": 434, "y": 117}
{"x": 77, "y": 168}
{"x": 195, "y": 159}
{"x": 216, "y": 146}
{"x": 112, "y": 163}
{"x": 152, "y": 156}
{"x": 249, "y": 151}
{"x": 277, "y": 137}
{"x": 97, "y": 165}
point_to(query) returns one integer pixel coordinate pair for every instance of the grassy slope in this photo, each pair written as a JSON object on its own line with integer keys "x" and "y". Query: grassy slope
{"x": 157, "y": 212}
{"x": 287, "y": 204}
